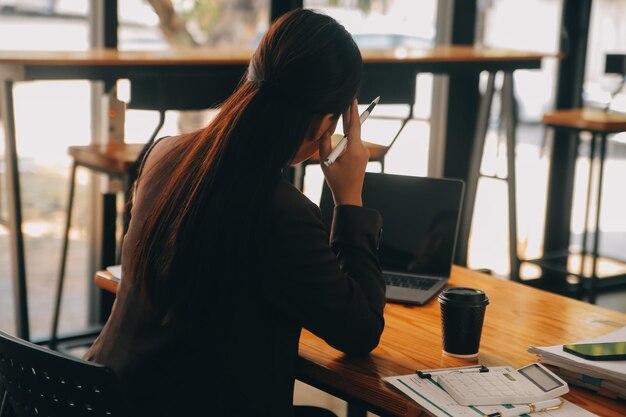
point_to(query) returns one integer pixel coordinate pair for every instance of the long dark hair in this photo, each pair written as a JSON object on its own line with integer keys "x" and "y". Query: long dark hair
{"x": 211, "y": 210}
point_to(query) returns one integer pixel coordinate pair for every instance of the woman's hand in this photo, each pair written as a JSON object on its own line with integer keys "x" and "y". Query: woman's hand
{"x": 345, "y": 176}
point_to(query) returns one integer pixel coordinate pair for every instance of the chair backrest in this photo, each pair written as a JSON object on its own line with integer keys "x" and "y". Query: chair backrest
{"x": 42, "y": 382}
{"x": 191, "y": 92}
{"x": 184, "y": 93}
{"x": 394, "y": 85}
{"x": 615, "y": 64}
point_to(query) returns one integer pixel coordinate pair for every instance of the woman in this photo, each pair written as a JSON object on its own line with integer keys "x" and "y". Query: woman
{"x": 224, "y": 262}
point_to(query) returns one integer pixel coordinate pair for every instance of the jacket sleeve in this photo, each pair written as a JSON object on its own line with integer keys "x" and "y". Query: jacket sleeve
{"x": 335, "y": 290}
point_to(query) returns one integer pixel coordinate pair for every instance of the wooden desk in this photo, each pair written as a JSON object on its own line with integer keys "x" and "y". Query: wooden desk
{"x": 593, "y": 120}
{"x": 41, "y": 64}
{"x": 106, "y": 281}
{"x": 390, "y": 73}
{"x": 518, "y": 316}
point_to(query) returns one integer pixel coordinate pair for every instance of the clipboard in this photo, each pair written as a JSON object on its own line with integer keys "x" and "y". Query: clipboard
{"x": 422, "y": 388}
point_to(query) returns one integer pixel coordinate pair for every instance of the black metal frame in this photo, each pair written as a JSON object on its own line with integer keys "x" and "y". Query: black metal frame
{"x": 15, "y": 215}
{"x": 111, "y": 24}
{"x": 575, "y": 31}
{"x": 462, "y": 110}
{"x": 555, "y": 261}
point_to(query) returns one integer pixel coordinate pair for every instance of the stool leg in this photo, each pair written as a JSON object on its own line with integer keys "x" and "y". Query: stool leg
{"x": 596, "y": 237}
{"x": 510, "y": 117}
{"x": 583, "y": 252}
{"x": 61, "y": 279}
{"x": 395, "y": 138}
{"x": 474, "y": 170}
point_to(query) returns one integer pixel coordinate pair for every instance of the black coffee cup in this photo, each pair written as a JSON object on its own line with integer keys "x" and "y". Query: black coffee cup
{"x": 462, "y": 314}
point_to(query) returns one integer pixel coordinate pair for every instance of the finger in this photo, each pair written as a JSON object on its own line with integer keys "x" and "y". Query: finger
{"x": 325, "y": 145}
{"x": 354, "y": 130}
{"x": 345, "y": 148}
{"x": 346, "y": 120}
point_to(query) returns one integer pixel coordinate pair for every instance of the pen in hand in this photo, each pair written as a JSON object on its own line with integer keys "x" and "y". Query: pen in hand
{"x": 519, "y": 410}
{"x": 334, "y": 154}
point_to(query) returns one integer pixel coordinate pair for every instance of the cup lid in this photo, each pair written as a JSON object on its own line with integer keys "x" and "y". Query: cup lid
{"x": 463, "y": 295}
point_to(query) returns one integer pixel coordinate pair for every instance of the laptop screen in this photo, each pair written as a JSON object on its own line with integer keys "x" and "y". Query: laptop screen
{"x": 420, "y": 220}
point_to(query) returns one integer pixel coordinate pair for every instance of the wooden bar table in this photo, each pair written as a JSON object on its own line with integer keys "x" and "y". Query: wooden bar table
{"x": 517, "y": 317}
{"x": 388, "y": 73}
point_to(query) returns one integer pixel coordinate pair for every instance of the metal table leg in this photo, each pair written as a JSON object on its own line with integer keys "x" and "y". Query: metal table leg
{"x": 18, "y": 264}
{"x": 474, "y": 171}
{"x": 508, "y": 110}
{"x": 592, "y": 156}
{"x": 596, "y": 235}
{"x": 61, "y": 280}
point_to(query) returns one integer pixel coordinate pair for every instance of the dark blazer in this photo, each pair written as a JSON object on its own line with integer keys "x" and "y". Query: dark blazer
{"x": 241, "y": 362}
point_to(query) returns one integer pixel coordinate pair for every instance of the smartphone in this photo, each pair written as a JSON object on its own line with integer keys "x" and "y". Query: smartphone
{"x": 612, "y": 351}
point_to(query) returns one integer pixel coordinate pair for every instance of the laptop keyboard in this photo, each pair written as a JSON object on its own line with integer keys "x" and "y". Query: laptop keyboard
{"x": 404, "y": 281}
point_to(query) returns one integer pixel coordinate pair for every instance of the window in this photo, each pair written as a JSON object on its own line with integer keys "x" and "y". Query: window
{"x": 384, "y": 24}
{"x": 505, "y": 24}
{"x": 50, "y": 116}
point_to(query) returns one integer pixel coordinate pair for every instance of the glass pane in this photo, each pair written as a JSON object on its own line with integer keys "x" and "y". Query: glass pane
{"x": 171, "y": 24}
{"x": 384, "y": 24}
{"x": 161, "y": 24}
{"x": 138, "y": 26}
{"x": 50, "y": 116}
{"x": 381, "y": 24}
{"x": 607, "y": 34}
{"x": 505, "y": 24}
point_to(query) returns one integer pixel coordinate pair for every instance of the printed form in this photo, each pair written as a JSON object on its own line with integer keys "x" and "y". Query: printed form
{"x": 434, "y": 399}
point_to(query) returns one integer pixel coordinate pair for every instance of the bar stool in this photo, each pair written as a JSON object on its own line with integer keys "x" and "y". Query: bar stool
{"x": 398, "y": 90}
{"x": 584, "y": 265}
{"x": 377, "y": 154}
{"x": 117, "y": 161}
{"x": 122, "y": 160}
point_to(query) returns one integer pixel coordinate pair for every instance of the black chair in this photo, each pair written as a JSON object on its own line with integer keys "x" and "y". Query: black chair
{"x": 36, "y": 381}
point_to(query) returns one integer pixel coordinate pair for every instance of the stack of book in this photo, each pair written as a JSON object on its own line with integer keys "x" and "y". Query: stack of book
{"x": 607, "y": 378}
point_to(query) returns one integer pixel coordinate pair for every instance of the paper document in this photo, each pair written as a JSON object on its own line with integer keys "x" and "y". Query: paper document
{"x": 115, "y": 270}
{"x": 437, "y": 402}
{"x": 614, "y": 370}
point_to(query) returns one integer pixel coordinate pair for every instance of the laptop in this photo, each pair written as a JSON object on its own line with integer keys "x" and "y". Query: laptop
{"x": 420, "y": 226}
